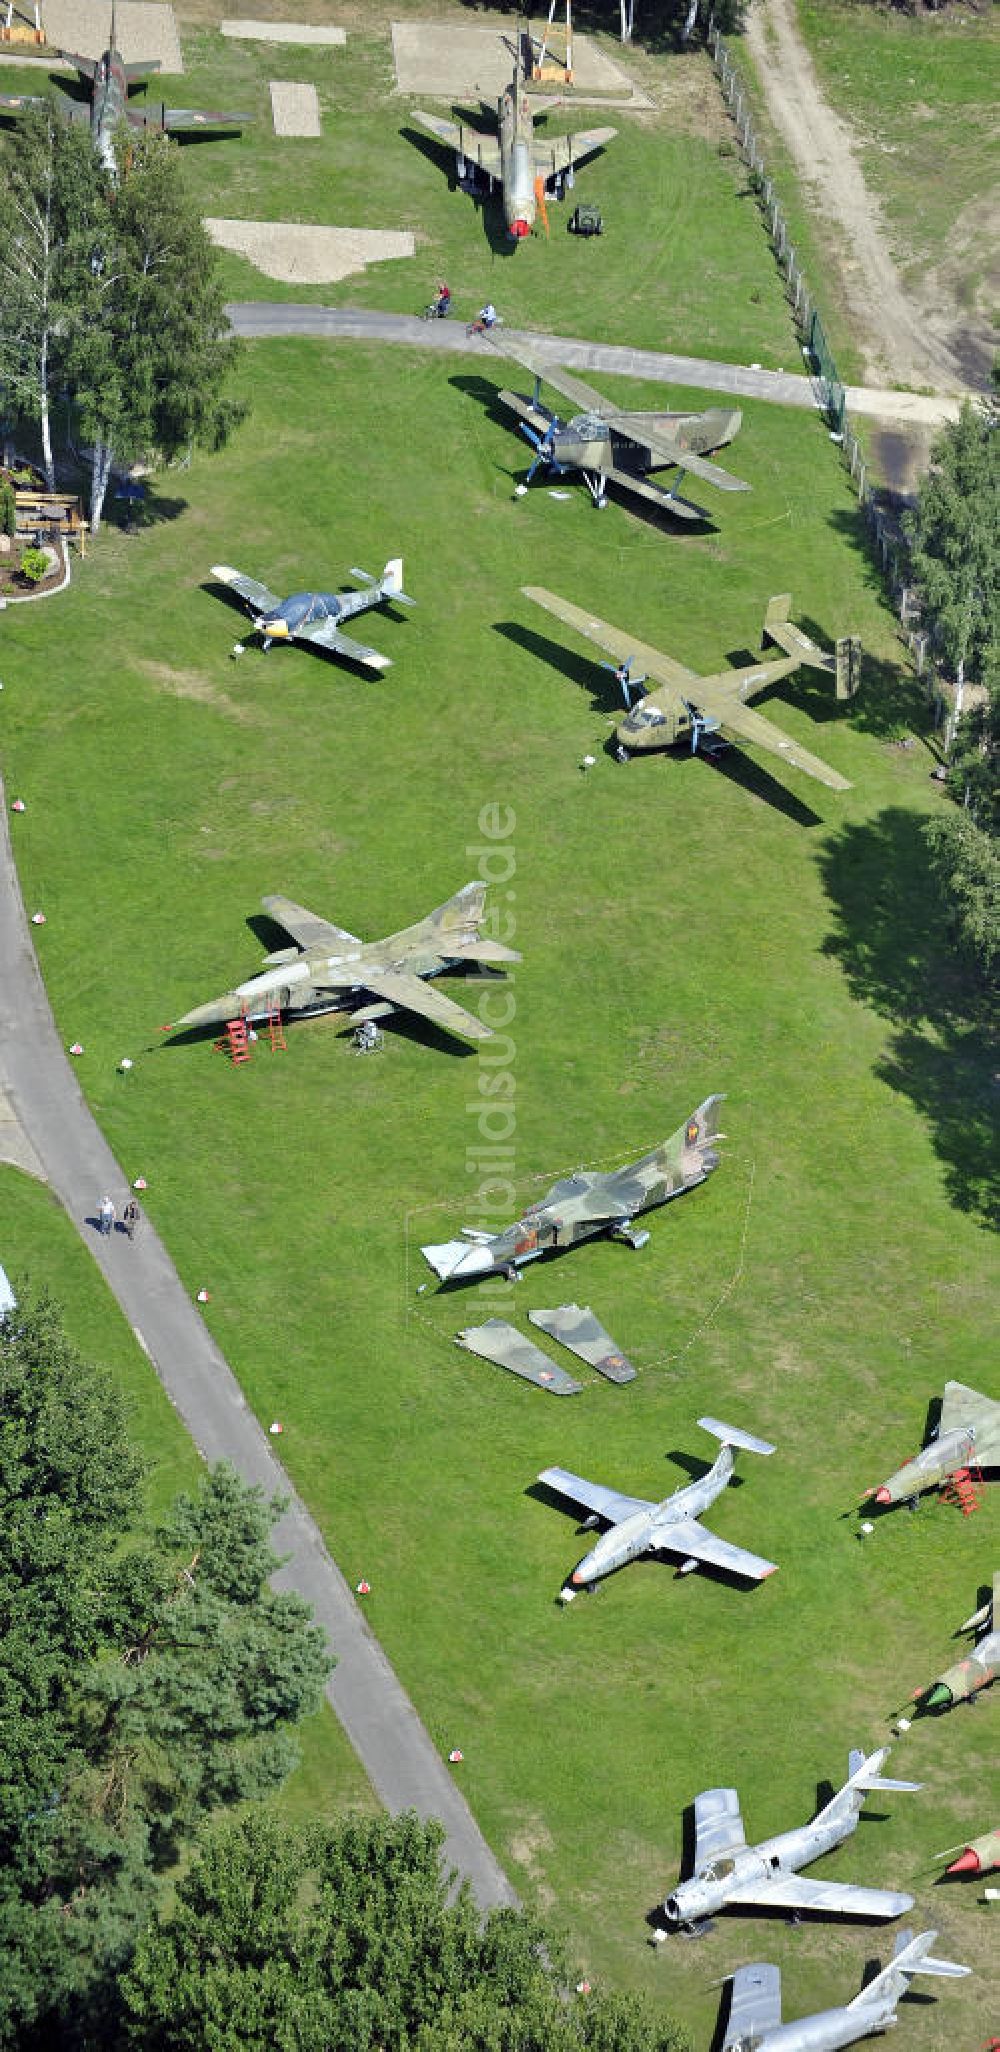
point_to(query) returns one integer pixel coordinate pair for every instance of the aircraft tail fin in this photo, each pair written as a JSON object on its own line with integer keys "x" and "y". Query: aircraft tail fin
{"x": 910, "y": 1956}
{"x": 845, "y": 662}
{"x": 847, "y": 657}
{"x": 864, "y": 1775}
{"x": 731, "y": 1435}
{"x": 452, "y": 929}
{"x": 391, "y": 582}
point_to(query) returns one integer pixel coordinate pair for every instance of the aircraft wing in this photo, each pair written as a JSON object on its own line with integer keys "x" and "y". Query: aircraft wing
{"x": 755, "y": 2006}
{"x": 615, "y": 642}
{"x": 581, "y": 395}
{"x": 413, "y": 994}
{"x": 605, "y": 1503}
{"x": 18, "y": 103}
{"x": 307, "y": 928}
{"x": 752, "y": 726}
{"x": 552, "y": 157}
{"x": 691, "y": 1539}
{"x": 327, "y": 634}
{"x": 175, "y": 119}
{"x": 483, "y": 150}
{"x": 665, "y": 448}
{"x": 256, "y": 595}
{"x": 657, "y": 494}
{"x": 718, "y": 1827}
{"x": 961, "y": 1405}
{"x": 830, "y": 1898}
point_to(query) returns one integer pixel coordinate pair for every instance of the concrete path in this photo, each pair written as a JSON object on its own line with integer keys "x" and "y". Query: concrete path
{"x": 264, "y": 319}
{"x": 39, "y": 1087}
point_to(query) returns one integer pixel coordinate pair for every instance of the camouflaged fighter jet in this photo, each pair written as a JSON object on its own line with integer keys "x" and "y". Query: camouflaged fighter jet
{"x": 967, "y": 1435}
{"x": 754, "y": 2022}
{"x": 728, "y": 1871}
{"x": 110, "y": 80}
{"x": 687, "y": 707}
{"x": 522, "y": 162}
{"x": 315, "y": 616}
{"x": 671, "y": 1526}
{"x": 585, "y": 1204}
{"x": 961, "y": 1683}
{"x": 978, "y": 1854}
{"x": 331, "y": 970}
{"x": 610, "y": 444}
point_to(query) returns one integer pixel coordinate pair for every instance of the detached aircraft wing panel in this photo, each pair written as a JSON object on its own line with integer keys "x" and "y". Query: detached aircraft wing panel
{"x": 830, "y": 1898}
{"x": 614, "y": 641}
{"x": 552, "y": 157}
{"x": 187, "y": 119}
{"x": 691, "y": 1539}
{"x": 413, "y": 994}
{"x": 247, "y": 588}
{"x": 307, "y": 928}
{"x": 755, "y": 2005}
{"x": 327, "y": 634}
{"x": 752, "y": 726}
{"x": 605, "y": 1503}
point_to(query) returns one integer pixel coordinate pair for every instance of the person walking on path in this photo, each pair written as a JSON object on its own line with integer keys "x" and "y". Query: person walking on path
{"x": 107, "y": 1216}
{"x": 130, "y": 1217}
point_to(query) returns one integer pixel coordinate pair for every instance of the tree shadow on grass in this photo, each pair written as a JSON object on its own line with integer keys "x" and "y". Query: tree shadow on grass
{"x": 892, "y": 939}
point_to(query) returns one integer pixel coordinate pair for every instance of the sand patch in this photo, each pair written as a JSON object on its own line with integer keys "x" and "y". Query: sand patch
{"x": 446, "y": 59}
{"x": 281, "y": 32}
{"x": 193, "y": 684}
{"x": 297, "y": 254}
{"x": 294, "y": 108}
{"x": 142, "y": 29}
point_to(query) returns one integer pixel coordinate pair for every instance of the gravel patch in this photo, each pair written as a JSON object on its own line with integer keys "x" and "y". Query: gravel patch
{"x": 444, "y": 60}
{"x": 299, "y": 255}
{"x": 281, "y": 32}
{"x": 144, "y": 29}
{"x": 294, "y": 108}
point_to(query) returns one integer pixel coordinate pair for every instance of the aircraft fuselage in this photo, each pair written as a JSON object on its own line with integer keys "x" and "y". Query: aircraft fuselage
{"x": 826, "y": 2031}
{"x": 755, "y": 1865}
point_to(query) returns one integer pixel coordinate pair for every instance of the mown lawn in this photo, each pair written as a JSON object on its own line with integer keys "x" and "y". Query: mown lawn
{"x": 683, "y": 930}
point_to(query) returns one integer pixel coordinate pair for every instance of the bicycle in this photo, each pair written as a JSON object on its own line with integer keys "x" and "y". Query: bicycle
{"x": 435, "y": 311}
{"x": 481, "y": 327}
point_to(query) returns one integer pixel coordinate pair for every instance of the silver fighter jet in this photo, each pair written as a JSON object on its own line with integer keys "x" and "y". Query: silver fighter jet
{"x": 669, "y": 1527}
{"x": 755, "y": 2024}
{"x": 765, "y": 1876}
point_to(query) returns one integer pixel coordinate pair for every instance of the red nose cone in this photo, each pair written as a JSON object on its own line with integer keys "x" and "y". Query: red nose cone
{"x": 967, "y": 1863}
{"x": 519, "y": 229}
{"x": 883, "y": 1496}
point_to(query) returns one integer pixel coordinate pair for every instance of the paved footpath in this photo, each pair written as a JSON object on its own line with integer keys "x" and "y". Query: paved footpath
{"x": 267, "y": 319}
{"x": 38, "y": 1085}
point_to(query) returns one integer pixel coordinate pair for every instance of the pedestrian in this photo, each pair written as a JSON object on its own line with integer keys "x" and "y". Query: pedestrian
{"x": 107, "y": 1216}
{"x": 442, "y": 300}
{"x": 130, "y": 1217}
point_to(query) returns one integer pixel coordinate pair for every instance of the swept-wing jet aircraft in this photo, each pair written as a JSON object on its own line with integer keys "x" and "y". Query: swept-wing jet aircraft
{"x": 978, "y": 1854}
{"x": 685, "y": 706}
{"x": 584, "y": 1204}
{"x": 967, "y": 1435}
{"x": 754, "y": 2022}
{"x": 315, "y": 616}
{"x": 765, "y": 1876}
{"x": 669, "y": 1527}
{"x": 331, "y": 970}
{"x": 964, "y": 1680}
{"x": 110, "y": 80}
{"x": 611, "y": 444}
{"x": 523, "y": 163}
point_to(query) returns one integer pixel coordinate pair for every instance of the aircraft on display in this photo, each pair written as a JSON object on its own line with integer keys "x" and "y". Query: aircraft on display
{"x": 331, "y": 970}
{"x": 517, "y": 159}
{"x": 587, "y": 1203}
{"x": 959, "y": 1684}
{"x": 978, "y": 1854}
{"x": 611, "y": 444}
{"x": 686, "y": 707}
{"x": 110, "y": 80}
{"x": 728, "y": 1871}
{"x": 671, "y": 1526}
{"x": 967, "y": 1435}
{"x": 315, "y": 616}
{"x": 754, "y": 2022}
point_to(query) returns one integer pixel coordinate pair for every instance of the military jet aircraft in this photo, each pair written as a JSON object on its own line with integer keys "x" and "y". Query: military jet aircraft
{"x": 315, "y": 616}
{"x": 586, "y": 1203}
{"x": 978, "y": 1855}
{"x": 110, "y": 80}
{"x": 331, "y": 970}
{"x": 754, "y": 2022}
{"x": 524, "y": 163}
{"x": 967, "y": 1435}
{"x": 610, "y": 444}
{"x": 672, "y": 1526}
{"x": 686, "y": 707}
{"x": 765, "y": 1876}
{"x": 963, "y": 1681}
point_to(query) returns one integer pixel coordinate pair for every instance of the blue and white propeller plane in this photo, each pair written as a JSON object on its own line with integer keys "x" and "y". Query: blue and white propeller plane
{"x": 315, "y": 617}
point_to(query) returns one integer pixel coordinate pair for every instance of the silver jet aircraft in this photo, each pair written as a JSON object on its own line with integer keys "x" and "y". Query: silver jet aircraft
{"x": 316, "y": 616}
{"x": 755, "y": 2025}
{"x": 765, "y": 1876}
{"x": 669, "y": 1527}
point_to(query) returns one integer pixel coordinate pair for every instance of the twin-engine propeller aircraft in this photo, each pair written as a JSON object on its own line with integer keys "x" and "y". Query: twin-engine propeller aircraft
{"x": 315, "y": 616}
{"x": 523, "y": 163}
{"x": 967, "y": 1435}
{"x": 610, "y": 444}
{"x": 331, "y": 970}
{"x": 672, "y": 1526}
{"x": 587, "y": 1203}
{"x": 754, "y": 2020}
{"x": 765, "y": 1876}
{"x": 686, "y": 707}
{"x": 110, "y": 80}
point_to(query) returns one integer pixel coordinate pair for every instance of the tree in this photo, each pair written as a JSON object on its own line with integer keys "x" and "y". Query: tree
{"x": 954, "y": 534}
{"x": 966, "y": 861}
{"x": 345, "y": 1939}
{"x": 149, "y": 361}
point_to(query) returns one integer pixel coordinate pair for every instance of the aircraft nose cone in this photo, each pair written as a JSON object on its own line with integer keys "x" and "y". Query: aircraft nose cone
{"x": 519, "y": 229}
{"x": 215, "y": 1014}
{"x": 883, "y": 1495}
{"x": 938, "y": 1697}
{"x": 967, "y": 1863}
